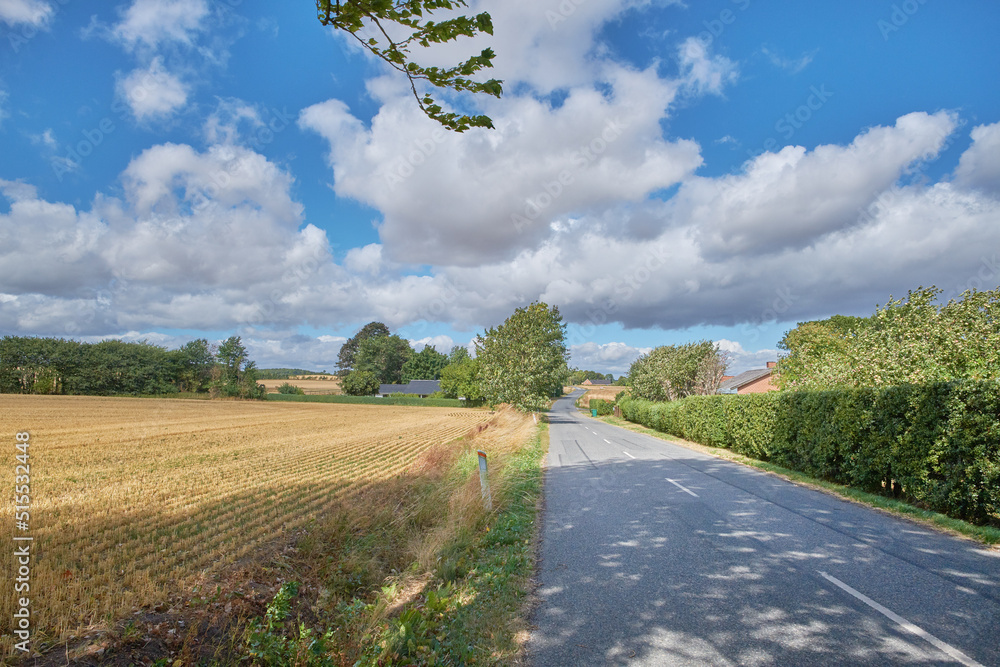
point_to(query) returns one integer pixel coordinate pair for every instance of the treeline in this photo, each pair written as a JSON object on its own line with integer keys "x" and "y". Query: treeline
{"x": 521, "y": 362}
{"x": 283, "y": 373}
{"x": 114, "y": 367}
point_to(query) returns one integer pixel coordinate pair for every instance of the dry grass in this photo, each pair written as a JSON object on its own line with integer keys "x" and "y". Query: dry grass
{"x": 310, "y": 384}
{"x": 134, "y": 500}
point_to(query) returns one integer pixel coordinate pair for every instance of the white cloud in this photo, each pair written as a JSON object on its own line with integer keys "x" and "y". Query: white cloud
{"x": 35, "y": 13}
{"x": 463, "y": 199}
{"x": 151, "y": 23}
{"x": 46, "y": 139}
{"x": 214, "y": 239}
{"x": 979, "y": 166}
{"x": 794, "y": 197}
{"x": 741, "y": 360}
{"x": 605, "y": 358}
{"x": 792, "y": 65}
{"x": 152, "y": 93}
{"x": 703, "y": 73}
{"x": 441, "y": 343}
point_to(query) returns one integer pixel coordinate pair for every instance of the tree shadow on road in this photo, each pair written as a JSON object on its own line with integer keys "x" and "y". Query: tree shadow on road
{"x": 682, "y": 581}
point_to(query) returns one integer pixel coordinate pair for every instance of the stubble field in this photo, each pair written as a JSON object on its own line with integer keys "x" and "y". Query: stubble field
{"x": 133, "y": 500}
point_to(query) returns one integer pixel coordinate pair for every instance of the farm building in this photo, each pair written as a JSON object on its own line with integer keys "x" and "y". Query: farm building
{"x": 756, "y": 381}
{"x": 422, "y": 388}
{"x": 597, "y": 383}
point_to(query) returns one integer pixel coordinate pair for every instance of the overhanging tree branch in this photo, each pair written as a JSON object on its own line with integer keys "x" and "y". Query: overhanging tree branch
{"x": 352, "y": 16}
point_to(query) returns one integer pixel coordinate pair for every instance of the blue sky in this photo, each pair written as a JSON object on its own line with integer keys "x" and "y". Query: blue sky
{"x": 662, "y": 171}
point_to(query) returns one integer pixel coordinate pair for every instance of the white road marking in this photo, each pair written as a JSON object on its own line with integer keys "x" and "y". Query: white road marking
{"x": 682, "y": 488}
{"x": 903, "y": 623}
{"x": 627, "y": 454}
{"x": 607, "y": 441}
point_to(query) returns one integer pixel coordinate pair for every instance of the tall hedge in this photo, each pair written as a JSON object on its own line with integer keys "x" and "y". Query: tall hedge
{"x": 936, "y": 445}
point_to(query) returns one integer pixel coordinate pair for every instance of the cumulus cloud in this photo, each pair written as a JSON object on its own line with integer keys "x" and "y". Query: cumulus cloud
{"x": 793, "y": 197}
{"x": 34, "y": 13}
{"x": 152, "y": 92}
{"x": 741, "y": 359}
{"x": 214, "y": 240}
{"x": 463, "y": 199}
{"x": 980, "y": 164}
{"x": 605, "y": 358}
{"x": 152, "y": 23}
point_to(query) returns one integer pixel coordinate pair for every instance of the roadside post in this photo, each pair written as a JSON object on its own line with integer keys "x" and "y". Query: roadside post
{"x": 484, "y": 481}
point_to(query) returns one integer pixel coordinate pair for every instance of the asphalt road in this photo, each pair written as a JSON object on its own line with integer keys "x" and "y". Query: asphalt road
{"x": 654, "y": 554}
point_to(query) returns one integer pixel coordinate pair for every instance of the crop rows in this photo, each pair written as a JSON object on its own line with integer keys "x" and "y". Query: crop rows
{"x": 136, "y": 499}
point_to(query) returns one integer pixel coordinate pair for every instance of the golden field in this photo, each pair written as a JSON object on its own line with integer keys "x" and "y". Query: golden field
{"x": 310, "y": 384}
{"x": 133, "y": 500}
{"x": 606, "y": 392}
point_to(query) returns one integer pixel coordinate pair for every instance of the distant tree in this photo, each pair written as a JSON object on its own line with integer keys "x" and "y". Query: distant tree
{"x": 389, "y": 29}
{"x": 384, "y": 356}
{"x": 360, "y": 383}
{"x": 426, "y": 364}
{"x": 670, "y": 372}
{"x": 349, "y": 350}
{"x": 193, "y": 364}
{"x": 238, "y": 375}
{"x": 523, "y": 361}
{"x": 461, "y": 379}
{"x": 577, "y": 376}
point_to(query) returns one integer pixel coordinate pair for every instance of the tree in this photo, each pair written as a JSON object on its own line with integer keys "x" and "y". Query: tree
{"x": 384, "y": 356}
{"x": 349, "y": 350}
{"x": 360, "y": 383}
{"x": 458, "y": 354}
{"x": 238, "y": 376}
{"x": 426, "y": 364}
{"x": 460, "y": 379}
{"x": 670, "y": 372}
{"x": 400, "y": 24}
{"x": 193, "y": 364}
{"x": 523, "y": 361}
{"x": 817, "y": 353}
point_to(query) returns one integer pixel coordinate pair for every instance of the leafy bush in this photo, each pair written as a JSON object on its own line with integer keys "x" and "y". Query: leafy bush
{"x": 602, "y": 406}
{"x": 360, "y": 383}
{"x": 936, "y": 445}
{"x": 289, "y": 388}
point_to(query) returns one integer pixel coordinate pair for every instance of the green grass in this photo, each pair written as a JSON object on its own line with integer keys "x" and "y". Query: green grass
{"x": 983, "y": 534}
{"x": 369, "y": 400}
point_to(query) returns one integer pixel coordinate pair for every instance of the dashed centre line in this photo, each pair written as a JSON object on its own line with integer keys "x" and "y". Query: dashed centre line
{"x": 903, "y": 623}
{"x": 682, "y": 488}
{"x": 628, "y": 455}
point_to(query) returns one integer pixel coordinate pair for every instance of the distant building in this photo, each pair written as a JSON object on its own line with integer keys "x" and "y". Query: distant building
{"x": 597, "y": 383}
{"x": 422, "y": 388}
{"x": 757, "y": 381}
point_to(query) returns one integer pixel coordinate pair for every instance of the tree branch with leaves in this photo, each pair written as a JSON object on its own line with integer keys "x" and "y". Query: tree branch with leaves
{"x": 411, "y": 18}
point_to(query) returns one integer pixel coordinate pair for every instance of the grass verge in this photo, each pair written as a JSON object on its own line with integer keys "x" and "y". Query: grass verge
{"x": 416, "y": 571}
{"x": 984, "y": 534}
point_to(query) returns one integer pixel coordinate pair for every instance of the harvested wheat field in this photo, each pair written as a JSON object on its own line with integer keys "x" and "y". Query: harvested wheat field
{"x": 310, "y": 385}
{"x": 606, "y": 392}
{"x": 135, "y": 499}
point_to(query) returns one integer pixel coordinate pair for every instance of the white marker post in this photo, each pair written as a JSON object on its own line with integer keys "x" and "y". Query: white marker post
{"x": 484, "y": 481}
